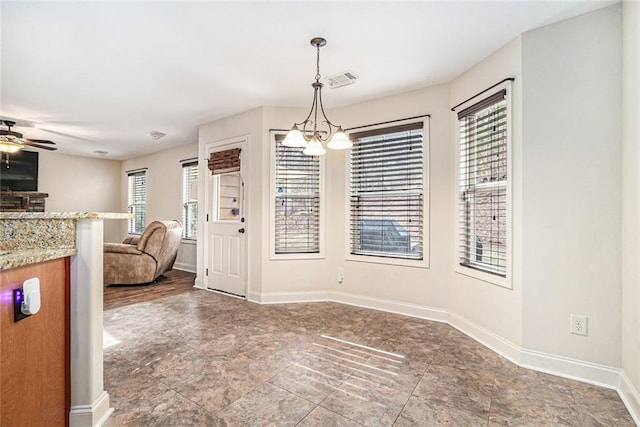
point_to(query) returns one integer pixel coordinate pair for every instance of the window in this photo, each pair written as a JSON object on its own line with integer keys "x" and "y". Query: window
{"x": 483, "y": 220}
{"x": 387, "y": 193}
{"x": 189, "y": 200}
{"x": 296, "y": 202}
{"x": 137, "y": 201}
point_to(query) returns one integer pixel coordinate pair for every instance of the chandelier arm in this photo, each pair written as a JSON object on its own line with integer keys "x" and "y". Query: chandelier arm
{"x": 305, "y": 122}
{"x": 326, "y": 119}
{"x": 316, "y": 89}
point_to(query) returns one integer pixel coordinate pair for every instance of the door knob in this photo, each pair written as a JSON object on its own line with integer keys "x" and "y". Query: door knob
{"x": 241, "y": 231}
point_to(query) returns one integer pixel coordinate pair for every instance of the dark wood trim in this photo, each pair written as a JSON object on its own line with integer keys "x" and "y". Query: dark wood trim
{"x": 67, "y": 338}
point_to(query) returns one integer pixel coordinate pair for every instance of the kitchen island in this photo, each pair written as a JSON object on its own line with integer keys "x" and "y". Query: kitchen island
{"x": 51, "y": 366}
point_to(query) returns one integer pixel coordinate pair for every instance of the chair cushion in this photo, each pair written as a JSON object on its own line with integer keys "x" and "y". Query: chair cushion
{"x": 121, "y": 248}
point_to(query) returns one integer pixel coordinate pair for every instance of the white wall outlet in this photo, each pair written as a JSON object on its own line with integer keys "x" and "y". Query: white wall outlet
{"x": 340, "y": 275}
{"x": 578, "y": 324}
{"x": 31, "y": 301}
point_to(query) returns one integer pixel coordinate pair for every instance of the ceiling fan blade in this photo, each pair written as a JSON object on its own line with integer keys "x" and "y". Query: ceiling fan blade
{"x": 41, "y": 141}
{"x": 45, "y": 147}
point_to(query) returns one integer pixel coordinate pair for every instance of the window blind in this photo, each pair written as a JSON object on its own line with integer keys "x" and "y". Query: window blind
{"x": 387, "y": 192}
{"x": 482, "y": 188}
{"x": 137, "y": 201}
{"x": 190, "y": 200}
{"x": 225, "y": 161}
{"x": 297, "y": 200}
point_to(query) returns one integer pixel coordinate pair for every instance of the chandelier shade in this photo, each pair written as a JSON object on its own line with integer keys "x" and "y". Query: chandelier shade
{"x": 340, "y": 141}
{"x": 294, "y": 139}
{"x": 314, "y": 148}
{"x": 307, "y": 134}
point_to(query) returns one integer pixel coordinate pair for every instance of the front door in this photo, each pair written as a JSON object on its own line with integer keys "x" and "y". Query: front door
{"x": 227, "y": 237}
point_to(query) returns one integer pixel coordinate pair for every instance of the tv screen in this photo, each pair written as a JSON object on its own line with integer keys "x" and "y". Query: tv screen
{"x": 19, "y": 171}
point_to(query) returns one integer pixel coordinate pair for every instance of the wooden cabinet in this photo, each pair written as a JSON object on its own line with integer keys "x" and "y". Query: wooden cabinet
{"x": 34, "y": 352}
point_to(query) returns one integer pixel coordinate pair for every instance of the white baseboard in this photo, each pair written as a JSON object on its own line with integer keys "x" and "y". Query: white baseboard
{"x": 579, "y": 370}
{"x": 397, "y": 307}
{"x": 406, "y": 309}
{"x": 198, "y": 283}
{"x": 93, "y": 415}
{"x": 503, "y": 347}
{"x": 630, "y": 396}
{"x": 286, "y": 297}
{"x": 185, "y": 267}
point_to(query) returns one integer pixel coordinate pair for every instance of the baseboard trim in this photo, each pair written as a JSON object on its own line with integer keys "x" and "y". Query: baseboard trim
{"x": 630, "y": 397}
{"x": 184, "y": 267}
{"x": 575, "y": 369}
{"x": 198, "y": 283}
{"x": 390, "y": 306}
{"x": 286, "y": 297}
{"x": 93, "y": 415}
{"x": 495, "y": 342}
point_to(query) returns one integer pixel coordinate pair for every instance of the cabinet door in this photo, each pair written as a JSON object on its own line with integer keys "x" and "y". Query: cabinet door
{"x": 34, "y": 352}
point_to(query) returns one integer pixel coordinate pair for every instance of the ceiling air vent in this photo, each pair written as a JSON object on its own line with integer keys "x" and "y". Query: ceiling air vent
{"x": 341, "y": 79}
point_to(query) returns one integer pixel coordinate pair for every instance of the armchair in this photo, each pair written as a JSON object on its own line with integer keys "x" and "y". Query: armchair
{"x": 143, "y": 259}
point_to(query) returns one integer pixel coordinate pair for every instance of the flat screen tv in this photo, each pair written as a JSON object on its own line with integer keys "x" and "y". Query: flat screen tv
{"x": 19, "y": 171}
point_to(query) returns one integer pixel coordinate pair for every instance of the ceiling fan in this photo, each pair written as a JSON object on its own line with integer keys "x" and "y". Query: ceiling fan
{"x": 12, "y": 141}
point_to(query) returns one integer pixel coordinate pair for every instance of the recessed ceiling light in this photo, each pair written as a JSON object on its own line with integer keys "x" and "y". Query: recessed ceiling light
{"x": 155, "y": 135}
{"x": 101, "y": 153}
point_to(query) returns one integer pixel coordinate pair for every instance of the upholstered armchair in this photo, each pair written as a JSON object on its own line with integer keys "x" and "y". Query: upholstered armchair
{"x": 143, "y": 259}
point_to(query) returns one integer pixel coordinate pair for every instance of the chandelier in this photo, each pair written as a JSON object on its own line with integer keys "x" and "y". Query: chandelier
{"x": 306, "y": 134}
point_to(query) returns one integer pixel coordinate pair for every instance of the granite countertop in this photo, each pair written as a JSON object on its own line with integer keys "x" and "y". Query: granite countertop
{"x": 64, "y": 215}
{"x": 33, "y": 237}
{"x": 11, "y": 259}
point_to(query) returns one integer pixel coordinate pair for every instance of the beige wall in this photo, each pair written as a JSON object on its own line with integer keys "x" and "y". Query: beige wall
{"x": 413, "y": 285}
{"x": 631, "y": 197}
{"x": 81, "y": 184}
{"x": 164, "y": 193}
{"x": 492, "y": 307}
{"x": 566, "y": 206}
{"x": 571, "y": 240}
{"x": 284, "y": 275}
{"x": 249, "y": 125}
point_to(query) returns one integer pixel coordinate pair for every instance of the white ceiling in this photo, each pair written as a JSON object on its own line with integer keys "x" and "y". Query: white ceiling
{"x": 100, "y": 75}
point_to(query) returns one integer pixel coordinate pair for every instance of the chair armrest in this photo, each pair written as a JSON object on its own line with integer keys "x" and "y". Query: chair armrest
{"x": 121, "y": 248}
{"x": 131, "y": 240}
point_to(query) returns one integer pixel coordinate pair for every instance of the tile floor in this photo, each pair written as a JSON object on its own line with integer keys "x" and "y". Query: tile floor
{"x": 200, "y": 358}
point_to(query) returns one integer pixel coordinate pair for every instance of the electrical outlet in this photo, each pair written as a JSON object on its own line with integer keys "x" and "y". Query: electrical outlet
{"x": 578, "y": 324}
{"x": 340, "y": 275}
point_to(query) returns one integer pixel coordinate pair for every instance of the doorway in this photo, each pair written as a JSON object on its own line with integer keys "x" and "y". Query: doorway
{"x": 226, "y": 233}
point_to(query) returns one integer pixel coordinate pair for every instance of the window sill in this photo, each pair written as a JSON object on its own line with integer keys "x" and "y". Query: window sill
{"x": 388, "y": 261}
{"x": 189, "y": 241}
{"x": 504, "y": 282}
{"x": 285, "y": 257}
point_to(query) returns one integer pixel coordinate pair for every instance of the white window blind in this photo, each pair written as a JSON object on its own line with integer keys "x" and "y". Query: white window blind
{"x": 137, "y": 201}
{"x": 387, "y": 192}
{"x": 482, "y": 187}
{"x": 297, "y": 201}
{"x": 190, "y": 200}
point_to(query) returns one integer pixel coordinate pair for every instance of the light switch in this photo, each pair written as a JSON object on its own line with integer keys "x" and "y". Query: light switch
{"x": 31, "y": 296}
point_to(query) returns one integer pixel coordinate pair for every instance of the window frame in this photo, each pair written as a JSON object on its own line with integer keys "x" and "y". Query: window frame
{"x": 426, "y": 207}
{"x": 272, "y": 207}
{"x": 193, "y": 165}
{"x": 495, "y": 279}
{"x": 131, "y": 223}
